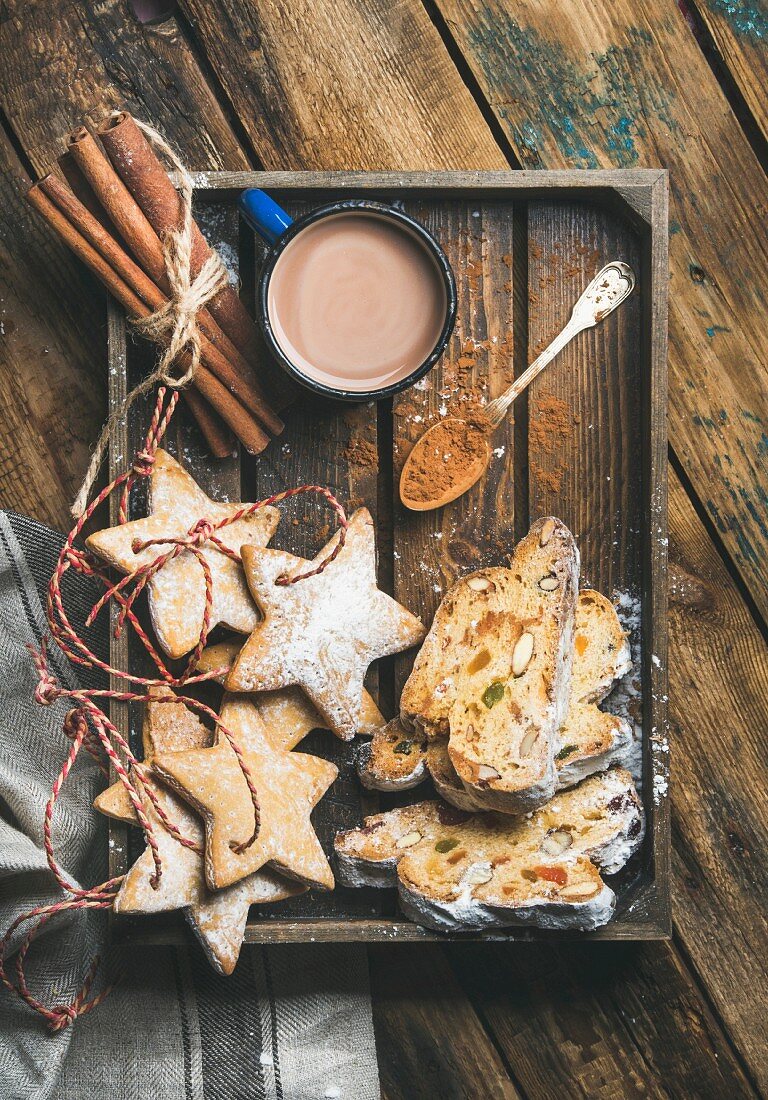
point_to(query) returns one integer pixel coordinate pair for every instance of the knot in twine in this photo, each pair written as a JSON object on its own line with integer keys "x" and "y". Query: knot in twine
{"x": 175, "y": 323}
{"x": 62, "y": 1016}
{"x": 48, "y": 689}
{"x": 200, "y": 533}
{"x": 144, "y": 461}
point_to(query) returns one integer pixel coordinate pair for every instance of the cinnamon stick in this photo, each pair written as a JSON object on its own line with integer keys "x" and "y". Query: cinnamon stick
{"x": 143, "y": 241}
{"x": 239, "y": 419}
{"x": 147, "y": 180}
{"x": 140, "y": 283}
{"x": 83, "y": 191}
{"x": 119, "y": 203}
{"x": 218, "y": 437}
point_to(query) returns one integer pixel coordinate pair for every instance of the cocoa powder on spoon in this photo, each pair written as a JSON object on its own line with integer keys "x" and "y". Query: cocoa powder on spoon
{"x": 454, "y": 449}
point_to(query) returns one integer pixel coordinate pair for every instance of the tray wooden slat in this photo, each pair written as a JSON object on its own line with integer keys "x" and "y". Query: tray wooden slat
{"x": 604, "y": 475}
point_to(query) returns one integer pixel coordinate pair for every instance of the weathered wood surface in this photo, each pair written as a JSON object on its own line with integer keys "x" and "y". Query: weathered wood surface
{"x": 599, "y": 1021}
{"x": 63, "y": 63}
{"x": 433, "y": 548}
{"x": 437, "y": 1048}
{"x": 385, "y": 128}
{"x": 53, "y": 359}
{"x": 611, "y": 84}
{"x": 718, "y": 676}
{"x": 336, "y": 85}
{"x": 739, "y": 29}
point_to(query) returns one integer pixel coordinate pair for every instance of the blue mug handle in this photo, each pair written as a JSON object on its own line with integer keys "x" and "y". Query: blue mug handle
{"x": 263, "y": 214}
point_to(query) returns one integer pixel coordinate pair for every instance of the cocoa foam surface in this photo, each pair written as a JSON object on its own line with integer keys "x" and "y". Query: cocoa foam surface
{"x": 356, "y": 301}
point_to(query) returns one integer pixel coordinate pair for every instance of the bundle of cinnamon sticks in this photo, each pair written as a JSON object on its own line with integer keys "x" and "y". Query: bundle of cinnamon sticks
{"x": 114, "y": 210}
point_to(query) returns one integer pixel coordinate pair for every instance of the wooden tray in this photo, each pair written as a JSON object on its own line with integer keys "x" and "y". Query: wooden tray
{"x": 588, "y": 444}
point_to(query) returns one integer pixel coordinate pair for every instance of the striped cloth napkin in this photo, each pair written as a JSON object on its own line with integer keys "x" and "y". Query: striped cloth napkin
{"x": 292, "y": 1023}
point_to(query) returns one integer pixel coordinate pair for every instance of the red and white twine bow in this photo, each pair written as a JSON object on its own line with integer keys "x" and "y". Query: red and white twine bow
{"x": 87, "y": 726}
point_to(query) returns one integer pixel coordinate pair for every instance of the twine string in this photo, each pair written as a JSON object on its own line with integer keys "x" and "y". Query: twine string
{"x": 87, "y": 726}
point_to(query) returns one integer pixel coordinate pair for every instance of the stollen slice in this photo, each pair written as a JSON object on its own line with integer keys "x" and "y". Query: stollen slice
{"x": 458, "y": 871}
{"x": 590, "y": 740}
{"x": 289, "y": 710}
{"x": 177, "y": 591}
{"x": 395, "y": 759}
{"x": 289, "y": 786}
{"x": 512, "y": 697}
{"x": 322, "y": 632}
{"x": 217, "y": 919}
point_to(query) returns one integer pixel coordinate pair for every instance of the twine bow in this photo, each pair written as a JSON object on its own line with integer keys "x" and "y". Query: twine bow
{"x": 175, "y": 323}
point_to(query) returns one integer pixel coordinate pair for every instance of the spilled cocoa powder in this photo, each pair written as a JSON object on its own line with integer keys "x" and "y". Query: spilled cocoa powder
{"x": 362, "y": 452}
{"x": 550, "y": 424}
{"x": 454, "y": 449}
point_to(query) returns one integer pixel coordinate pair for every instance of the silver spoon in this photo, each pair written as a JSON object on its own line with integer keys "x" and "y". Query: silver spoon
{"x": 609, "y": 288}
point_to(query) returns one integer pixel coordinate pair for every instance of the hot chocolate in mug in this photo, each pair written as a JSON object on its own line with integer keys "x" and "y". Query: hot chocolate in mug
{"x": 356, "y": 299}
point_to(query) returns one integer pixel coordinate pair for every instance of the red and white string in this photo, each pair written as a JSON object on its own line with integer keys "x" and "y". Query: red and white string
{"x": 87, "y": 725}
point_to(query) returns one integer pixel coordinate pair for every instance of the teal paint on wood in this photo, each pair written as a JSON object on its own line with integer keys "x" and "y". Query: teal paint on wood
{"x": 750, "y": 20}
{"x": 577, "y": 114}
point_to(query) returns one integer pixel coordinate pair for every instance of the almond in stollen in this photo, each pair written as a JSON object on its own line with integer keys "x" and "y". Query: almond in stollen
{"x": 522, "y": 653}
{"x": 556, "y": 842}
{"x": 408, "y": 840}
{"x": 485, "y": 772}
{"x": 478, "y": 874}
{"x": 579, "y": 891}
{"x": 528, "y": 742}
{"x": 549, "y": 583}
{"x": 478, "y": 584}
{"x": 547, "y": 530}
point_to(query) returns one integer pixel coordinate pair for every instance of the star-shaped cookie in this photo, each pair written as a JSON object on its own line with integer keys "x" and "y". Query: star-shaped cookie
{"x": 322, "y": 632}
{"x": 177, "y": 591}
{"x": 288, "y": 712}
{"x": 289, "y": 785}
{"x": 218, "y": 919}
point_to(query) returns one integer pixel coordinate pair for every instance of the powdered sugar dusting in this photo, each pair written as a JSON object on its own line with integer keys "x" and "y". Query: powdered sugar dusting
{"x": 323, "y": 632}
{"x": 626, "y": 697}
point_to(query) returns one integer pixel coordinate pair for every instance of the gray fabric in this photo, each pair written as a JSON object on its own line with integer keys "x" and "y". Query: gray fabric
{"x": 292, "y": 1022}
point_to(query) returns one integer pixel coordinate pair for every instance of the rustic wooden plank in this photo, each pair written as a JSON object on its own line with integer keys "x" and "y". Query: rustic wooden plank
{"x": 607, "y": 84}
{"x": 599, "y": 1021}
{"x": 439, "y": 1047}
{"x": 719, "y": 709}
{"x": 740, "y": 29}
{"x": 584, "y": 411}
{"x": 632, "y": 183}
{"x": 586, "y": 438}
{"x": 433, "y": 548}
{"x": 65, "y": 62}
{"x": 331, "y": 444}
{"x": 49, "y": 359}
{"x": 334, "y": 85}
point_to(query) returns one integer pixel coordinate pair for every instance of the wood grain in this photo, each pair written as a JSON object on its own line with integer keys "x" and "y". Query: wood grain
{"x": 63, "y": 63}
{"x": 740, "y": 30}
{"x": 321, "y": 84}
{"x": 50, "y": 364}
{"x": 585, "y": 410}
{"x": 624, "y": 85}
{"x": 719, "y": 710}
{"x": 599, "y": 1021}
{"x": 415, "y": 1059}
{"x": 433, "y": 548}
